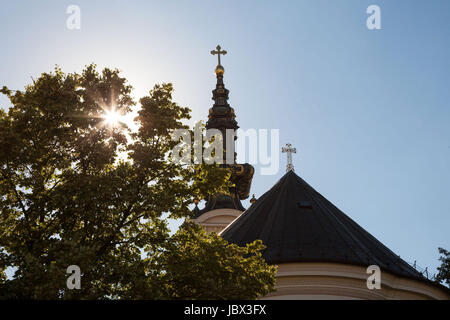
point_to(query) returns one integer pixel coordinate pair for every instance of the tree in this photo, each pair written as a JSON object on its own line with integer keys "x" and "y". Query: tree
{"x": 201, "y": 266}
{"x": 443, "y": 275}
{"x": 75, "y": 191}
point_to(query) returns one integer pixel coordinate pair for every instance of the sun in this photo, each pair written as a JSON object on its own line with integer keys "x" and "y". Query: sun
{"x": 112, "y": 117}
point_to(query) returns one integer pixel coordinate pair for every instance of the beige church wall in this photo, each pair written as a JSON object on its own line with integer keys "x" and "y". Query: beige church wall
{"x": 217, "y": 220}
{"x": 302, "y": 281}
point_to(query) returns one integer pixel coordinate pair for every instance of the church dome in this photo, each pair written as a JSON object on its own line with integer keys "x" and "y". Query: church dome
{"x": 298, "y": 225}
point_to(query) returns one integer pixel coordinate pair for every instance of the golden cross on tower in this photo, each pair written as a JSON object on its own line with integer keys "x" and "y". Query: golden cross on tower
{"x": 289, "y": 150}
{"x": 218, "y": 52}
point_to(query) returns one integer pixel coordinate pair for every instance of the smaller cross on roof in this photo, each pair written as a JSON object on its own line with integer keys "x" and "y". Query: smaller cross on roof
{"x": 289, "y": 150}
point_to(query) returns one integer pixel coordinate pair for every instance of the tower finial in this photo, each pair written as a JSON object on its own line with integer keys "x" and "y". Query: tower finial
{"x": 289, "y": 150}
{"x": 218, "y": 51}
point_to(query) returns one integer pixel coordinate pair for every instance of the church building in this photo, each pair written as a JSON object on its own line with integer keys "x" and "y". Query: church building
{"x": 321, "y": 253}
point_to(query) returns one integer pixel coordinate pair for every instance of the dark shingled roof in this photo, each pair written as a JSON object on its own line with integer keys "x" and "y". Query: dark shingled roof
{"x": 297, "y": 224}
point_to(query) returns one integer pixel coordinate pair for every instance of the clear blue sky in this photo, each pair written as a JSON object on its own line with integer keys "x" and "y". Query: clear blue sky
{"x": 367, "y": 110}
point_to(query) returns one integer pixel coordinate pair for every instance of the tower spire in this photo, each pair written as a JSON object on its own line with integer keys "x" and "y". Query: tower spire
{"x": 221, "y": 115}
{"x": 220, "y": 94}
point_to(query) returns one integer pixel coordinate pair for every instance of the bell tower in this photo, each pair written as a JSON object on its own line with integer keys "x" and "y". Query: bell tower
{"x": 221, "y": 209}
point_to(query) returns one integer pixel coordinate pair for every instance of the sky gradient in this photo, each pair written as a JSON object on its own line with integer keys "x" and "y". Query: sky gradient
{"x": 367, "y": 110}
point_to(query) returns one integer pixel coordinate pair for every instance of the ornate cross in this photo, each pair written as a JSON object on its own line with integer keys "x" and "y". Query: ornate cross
{"x": 218, "y": 52}
{"x": 289, "y": 150}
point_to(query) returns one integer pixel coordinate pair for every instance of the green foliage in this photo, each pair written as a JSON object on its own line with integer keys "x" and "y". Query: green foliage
{"x": 443, "y": 275}
{"x": 74, "y": 190}
{"x": 201, "y": 266}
